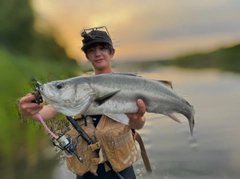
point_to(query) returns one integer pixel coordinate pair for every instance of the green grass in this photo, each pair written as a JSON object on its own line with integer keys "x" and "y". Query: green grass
{"x": 24, "y": 151}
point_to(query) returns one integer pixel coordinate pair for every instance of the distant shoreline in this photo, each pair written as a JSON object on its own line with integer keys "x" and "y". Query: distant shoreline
{"x": 223, "y": 59}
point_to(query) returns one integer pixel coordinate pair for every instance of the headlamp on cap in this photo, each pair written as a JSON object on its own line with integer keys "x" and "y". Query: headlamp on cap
{"x": 92, "y": 36}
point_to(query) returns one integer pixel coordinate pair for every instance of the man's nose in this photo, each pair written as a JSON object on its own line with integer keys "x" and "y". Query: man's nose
{"x": 97, "y": 52}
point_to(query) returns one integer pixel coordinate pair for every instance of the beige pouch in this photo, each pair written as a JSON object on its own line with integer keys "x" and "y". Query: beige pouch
{"x": 83, "y": 151}
{"x": 117, "y": 142}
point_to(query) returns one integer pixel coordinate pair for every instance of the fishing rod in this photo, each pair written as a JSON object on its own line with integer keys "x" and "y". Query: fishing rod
{"x": 65, "y": 142}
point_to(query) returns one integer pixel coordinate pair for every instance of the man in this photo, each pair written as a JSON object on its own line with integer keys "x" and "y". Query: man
{"x": 98, "y": 48}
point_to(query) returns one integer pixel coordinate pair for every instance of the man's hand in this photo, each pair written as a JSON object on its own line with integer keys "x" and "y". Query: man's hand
{"x": 27, "y": 108}
{"x": 137, "y": 120}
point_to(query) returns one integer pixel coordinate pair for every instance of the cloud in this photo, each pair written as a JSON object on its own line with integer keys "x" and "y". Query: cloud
{"x": 142, "y": 28}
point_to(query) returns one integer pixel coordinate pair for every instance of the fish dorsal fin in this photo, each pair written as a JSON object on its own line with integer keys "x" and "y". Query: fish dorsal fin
{"x": 129, "y": 74}
{"x": 168, "y": 83}
{"x": 106, "y": 97}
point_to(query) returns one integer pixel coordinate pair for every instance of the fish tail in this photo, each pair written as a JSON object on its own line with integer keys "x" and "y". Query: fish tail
{"x": 191, "y": 125}
{"x": 192, "y": 121}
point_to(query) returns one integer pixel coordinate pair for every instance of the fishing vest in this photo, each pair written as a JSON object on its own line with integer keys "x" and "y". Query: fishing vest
{"x": 113, "y": 141}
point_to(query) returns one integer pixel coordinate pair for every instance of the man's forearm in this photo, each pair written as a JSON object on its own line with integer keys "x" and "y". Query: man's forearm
{"x": 48, "y": 112}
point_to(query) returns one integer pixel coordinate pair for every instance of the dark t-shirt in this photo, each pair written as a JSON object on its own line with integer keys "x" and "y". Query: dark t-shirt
{"x": 96, "y": 119}
{"x": 127, "y": 173}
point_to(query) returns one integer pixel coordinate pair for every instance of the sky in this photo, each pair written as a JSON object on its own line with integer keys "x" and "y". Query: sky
{"x": 140, "y": 29}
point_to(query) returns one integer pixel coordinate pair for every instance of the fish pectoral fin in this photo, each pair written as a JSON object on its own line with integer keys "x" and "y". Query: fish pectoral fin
{"x": 168, "y": 83}
{"x": 106, "y": 97}
{"x": 173, "y": 117}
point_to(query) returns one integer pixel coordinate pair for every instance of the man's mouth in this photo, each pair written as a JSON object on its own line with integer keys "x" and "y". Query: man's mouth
{"x": 98, "y": 60}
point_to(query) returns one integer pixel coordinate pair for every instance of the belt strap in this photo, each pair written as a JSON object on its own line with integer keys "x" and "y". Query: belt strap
{"x": 95, "y": 146}
{"x": 138, "y": 138}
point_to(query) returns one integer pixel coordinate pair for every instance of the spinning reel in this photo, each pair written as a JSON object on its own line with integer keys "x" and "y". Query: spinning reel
{"x": 65, "y": 142}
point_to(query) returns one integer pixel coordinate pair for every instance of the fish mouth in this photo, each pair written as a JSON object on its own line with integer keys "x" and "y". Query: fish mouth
{"x": 46, "y": 92}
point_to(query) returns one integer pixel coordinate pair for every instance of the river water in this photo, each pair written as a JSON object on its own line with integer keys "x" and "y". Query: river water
{"x": 214, "y": 150}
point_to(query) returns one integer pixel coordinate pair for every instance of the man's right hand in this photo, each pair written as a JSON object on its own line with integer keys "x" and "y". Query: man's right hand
{"x": 27, "y": 108}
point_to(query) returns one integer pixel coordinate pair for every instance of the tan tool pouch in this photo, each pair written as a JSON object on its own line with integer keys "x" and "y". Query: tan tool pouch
{"x": 117, "y": 142}
{"x": 83, "y": 151}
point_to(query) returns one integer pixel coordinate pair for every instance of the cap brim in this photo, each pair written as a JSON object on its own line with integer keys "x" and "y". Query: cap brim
{"x": 86, "y": 46}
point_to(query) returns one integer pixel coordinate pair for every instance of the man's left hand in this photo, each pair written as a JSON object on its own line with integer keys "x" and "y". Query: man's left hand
{"x": 137, "y": 120}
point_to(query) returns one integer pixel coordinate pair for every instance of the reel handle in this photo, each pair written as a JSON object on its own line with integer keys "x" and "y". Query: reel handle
{"x": 66, "y": 143}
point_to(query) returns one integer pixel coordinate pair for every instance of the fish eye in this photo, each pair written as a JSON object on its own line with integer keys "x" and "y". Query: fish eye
{"x": 59, "y": 85}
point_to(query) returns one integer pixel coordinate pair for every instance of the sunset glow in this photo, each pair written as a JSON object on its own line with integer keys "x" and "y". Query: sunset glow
{"x": 142, "y": 30}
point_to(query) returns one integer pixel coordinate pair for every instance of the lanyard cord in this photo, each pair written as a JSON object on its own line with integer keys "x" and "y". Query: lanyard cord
{"x": 45, "y": 126}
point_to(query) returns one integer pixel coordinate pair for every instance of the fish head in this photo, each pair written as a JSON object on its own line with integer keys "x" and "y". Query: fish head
{"x": 69, "y": 97}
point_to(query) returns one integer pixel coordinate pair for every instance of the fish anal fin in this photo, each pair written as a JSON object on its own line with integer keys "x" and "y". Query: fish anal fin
{"x": 168, "y": 83}
{"x": 106, "y": 97}
{"x": 173, "y": 117}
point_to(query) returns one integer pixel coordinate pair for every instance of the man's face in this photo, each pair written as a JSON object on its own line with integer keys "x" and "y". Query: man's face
{"x": 99, "y": 56}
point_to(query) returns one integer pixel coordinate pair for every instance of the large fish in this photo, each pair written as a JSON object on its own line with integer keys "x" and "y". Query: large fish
{"x": 115, "y": 94}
